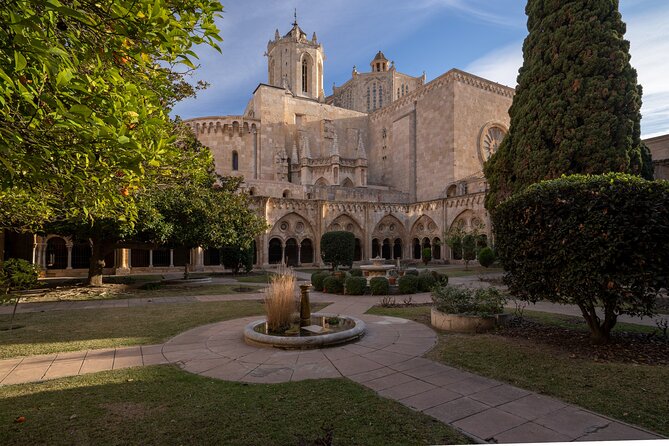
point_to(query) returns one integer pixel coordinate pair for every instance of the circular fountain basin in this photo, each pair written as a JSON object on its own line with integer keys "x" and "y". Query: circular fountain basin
{"x": 193, "y": 281}
{"x": 319, "y": 334}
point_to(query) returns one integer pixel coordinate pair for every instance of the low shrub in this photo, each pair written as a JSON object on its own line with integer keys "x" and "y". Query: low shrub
{"x": 17, "y": 274}
{"x": 408, "y": 284}
{"x": 356, "y": 272}
{"x": 334, "y": 285}
{"x": 426, "y": 281}
{"x": 486, "y": 257}
{"x": 317, "y": 279}
{"x": 355, "y": 285}
{"x": 480, "y": 302}
{"x": 379, "y": 286}
{"x": 441, "y": 279}
{"x": 411, "y": 272}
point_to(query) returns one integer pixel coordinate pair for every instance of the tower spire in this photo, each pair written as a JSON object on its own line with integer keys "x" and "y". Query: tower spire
{"x": 295, "y": 15}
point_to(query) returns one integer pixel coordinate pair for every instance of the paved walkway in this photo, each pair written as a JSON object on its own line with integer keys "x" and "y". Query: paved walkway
{"x": 387, "y": 359}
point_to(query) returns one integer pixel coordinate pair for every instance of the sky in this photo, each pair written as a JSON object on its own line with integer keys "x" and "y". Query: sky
{"x": 482, "y": 37}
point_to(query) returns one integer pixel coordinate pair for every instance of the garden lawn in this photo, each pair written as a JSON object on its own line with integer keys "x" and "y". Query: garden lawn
{"x": 464, "y": 272}
{"x": 637, "y": 394}
{"x": 74, "y": 330}
{"x": 163, "y": 405}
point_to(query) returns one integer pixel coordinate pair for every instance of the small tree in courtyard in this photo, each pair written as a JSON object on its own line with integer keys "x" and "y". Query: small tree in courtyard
{"x": 468, "y": 249}
{"x": 338, "y": 248}
{"x": 427, "y": 255}
{"x": 577, "y": 104}
{"x": 598, "y": 242}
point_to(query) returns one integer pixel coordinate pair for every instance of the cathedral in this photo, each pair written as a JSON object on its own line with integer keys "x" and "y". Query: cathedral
{"x": 394, "y": 159}
{"x": 391, "y": 158}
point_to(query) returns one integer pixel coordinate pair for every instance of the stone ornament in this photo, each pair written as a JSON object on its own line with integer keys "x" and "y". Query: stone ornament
{"x": 490, "y": 138}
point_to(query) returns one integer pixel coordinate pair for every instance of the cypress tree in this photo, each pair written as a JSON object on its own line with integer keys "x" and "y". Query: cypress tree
{"x": 577, "y": 104}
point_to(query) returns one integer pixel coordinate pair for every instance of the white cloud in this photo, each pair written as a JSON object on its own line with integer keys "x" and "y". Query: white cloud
{"x": 500, "y": 65}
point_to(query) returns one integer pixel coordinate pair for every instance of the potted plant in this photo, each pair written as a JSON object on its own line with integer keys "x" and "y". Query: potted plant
{"x": 467, "y": 311}
{"x": 392, "y": 277}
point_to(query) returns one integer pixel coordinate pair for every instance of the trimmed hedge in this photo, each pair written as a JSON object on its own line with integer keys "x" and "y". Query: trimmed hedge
{"x": 317, "y": 279}
{"x": 379, "y": 286}
{"x": 486, "y": 257}
{"x": 355, "y": 285}
{"x": 592, "y": 241}
{"x": 408, "y": 284}
{"x": 426, "y": 281}
{"x": 334, "y": 285}
{"x": 356, "y": 272}
{"x": 338, "y": 248}
{"x": 411, "y": 272}
{"x": 480, "y": 302}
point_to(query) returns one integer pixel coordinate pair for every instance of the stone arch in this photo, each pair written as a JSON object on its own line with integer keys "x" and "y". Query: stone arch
{"x": 322, "y": 182}
{"x": 292, "y": 225}
{"x": 286, "y": 193}
{"x": 451, "y": 191}
{"x": 56, "y": 252}
{"x": 389, "y": 226}
{"x": 468, "y": 220}
{"x": 347, "y": 182}
{"x": 345, "y": 222}
{"x": 425, "y": 225}
{"x": 307, "y": 75}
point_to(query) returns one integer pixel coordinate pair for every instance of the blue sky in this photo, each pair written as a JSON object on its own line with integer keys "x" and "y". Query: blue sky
{"x": 483, "y": 37}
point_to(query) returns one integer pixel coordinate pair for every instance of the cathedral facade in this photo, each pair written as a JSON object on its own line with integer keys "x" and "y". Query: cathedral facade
{"x": 389, "y": 157}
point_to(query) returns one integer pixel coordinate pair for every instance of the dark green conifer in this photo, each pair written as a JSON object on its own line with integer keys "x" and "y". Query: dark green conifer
{"x": 577, "y": 104}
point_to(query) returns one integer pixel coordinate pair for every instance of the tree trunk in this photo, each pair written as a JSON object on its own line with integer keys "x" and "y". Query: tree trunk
{"x": 600, "y": 333}
{"x": 98, "y": 252}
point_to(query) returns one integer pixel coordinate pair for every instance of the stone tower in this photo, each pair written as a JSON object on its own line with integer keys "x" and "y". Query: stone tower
{"x": 296, "y": 63}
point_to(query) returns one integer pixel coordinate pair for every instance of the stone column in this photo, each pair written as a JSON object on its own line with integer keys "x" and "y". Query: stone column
{"x": 69, "y": 254}
{"x": 197, "y": 259}
{"x": 150, "y": 258}
{"x": 283, "y": 252}
{"x": 299, "y": 254}
{"x": 123, "y": 257}
{"x": 171, "y": 258}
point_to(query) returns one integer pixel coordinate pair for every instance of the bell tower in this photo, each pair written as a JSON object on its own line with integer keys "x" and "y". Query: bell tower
{"x": 296, "y": 63}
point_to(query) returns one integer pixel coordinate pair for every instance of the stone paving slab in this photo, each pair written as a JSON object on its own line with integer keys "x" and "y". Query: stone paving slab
{"x": 388, "y": 359}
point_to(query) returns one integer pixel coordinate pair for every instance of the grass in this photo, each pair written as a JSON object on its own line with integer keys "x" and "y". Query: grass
{"x": 637, "y": 394}
{"x": 64, "y": 331}
{"x": 163, "y": 405}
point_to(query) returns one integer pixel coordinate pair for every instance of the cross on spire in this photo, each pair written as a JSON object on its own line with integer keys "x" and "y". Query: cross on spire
{"x": 295, "y": 15}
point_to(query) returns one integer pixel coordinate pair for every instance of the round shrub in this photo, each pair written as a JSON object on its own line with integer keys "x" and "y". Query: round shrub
{"x": 17, "y": 274}
{"x": 411, "y": 272}
{"x": 426, "y": 281}
{"x": 441, "y": 279}
{"x": 356, "y": 272}
{"x": 481, "y": 302}
{"x": 338, "y": 248}
{"x": 355, "y": 285}
{"x": 599, "y": 242}
{"x": 408, "y": 284}
{"x": 379, "y": 286}
{"x": 317, "y": 279}
{"x": 486, "y": 257}
{"x": 334, "y": 285}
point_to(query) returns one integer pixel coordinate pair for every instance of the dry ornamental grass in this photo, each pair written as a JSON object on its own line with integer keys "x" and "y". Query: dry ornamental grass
{"x": 280, "y": 300}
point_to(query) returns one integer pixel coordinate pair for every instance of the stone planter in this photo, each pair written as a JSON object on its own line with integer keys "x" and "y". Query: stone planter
{"x": 459, "y": 323}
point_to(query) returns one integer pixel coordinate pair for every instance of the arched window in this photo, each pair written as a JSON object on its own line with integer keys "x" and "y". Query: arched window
{"x": 380, "y": 96}
{"x": 398, "y": 92}
{"x": 235, "y": 160}
{"x": 374, "y": 96}
{"x": 305, "y": 75}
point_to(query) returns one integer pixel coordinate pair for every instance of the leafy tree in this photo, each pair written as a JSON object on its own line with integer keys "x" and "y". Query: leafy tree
{"x": 577, "y": 103}
{"x": 338, "y": 248}
{"x": 598, "y": 242}
{"x": 486, "y": 257}
{"x": 237, "y": 258}
{"x": 427, "y": 255}
{"x": 468, "y": 249}
{"x": 85, "y": 89}
{"x": 16, "y": 275}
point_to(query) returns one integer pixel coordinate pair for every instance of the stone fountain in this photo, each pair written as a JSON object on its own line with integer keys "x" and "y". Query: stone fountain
{"x": 378, "y": 268}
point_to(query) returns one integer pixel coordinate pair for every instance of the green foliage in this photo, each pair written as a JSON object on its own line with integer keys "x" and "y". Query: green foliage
{"x": 317, "y": 279}
{"x": 427, "y": 255}
{"x": 356, "y": 285}
{"x": 237, "y": 258}
{"x": 333, "y": 284}
{"x": 379, "y": 286}
{"x": 356, "y": 272}
{"x": 426, "y": 281}
{"x": 408, "y": 284}
{"x": 338, "y": 248}
{"x": 440, "y": 279}
{"x": 592, "y": 241}
{"x": 85, "y": 93}
{"x": 468, "y": 248}
{"x": 577, "y": 103}
{"x": 480, "y": 302}
{"x": 17, "y": 274}
{"x": 486, "y": 257}
{"x": 411, "y": 272}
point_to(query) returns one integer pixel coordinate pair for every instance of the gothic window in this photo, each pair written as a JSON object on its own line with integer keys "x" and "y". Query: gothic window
{"x": 374, "y": 96}
{"x": 305, "y": 77}
{"x": 380, "y": 96}
{"x": 398, "y": 92}
{"x": 402, "y": 89}
{"x": 235, "y": 160}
